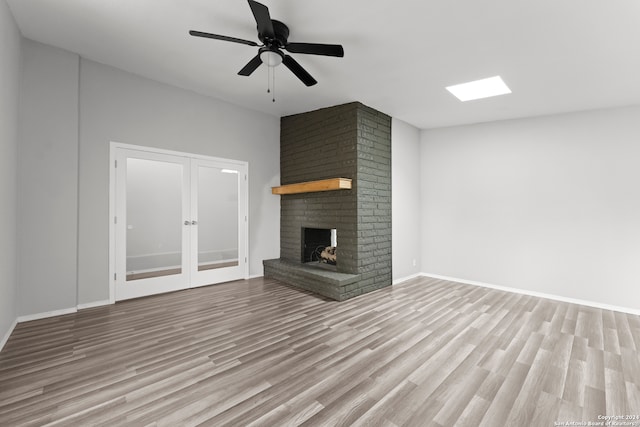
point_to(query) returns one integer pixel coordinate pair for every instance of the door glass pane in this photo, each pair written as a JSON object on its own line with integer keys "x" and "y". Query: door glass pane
{"x": 154, "y": 218}
{"x": 217, "y": 218}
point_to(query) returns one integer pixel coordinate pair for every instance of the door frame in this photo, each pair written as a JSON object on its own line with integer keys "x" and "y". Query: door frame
{"x": 113, "y": 149}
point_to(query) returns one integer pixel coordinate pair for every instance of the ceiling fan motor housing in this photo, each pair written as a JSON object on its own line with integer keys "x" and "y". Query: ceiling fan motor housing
{"x": 281, "y": 32}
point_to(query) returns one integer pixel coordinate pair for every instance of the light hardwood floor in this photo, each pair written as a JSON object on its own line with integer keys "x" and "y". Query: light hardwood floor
{"x": 425, "y": 352}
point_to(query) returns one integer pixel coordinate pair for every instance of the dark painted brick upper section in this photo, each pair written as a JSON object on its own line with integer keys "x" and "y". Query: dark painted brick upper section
{"x": 348, "y": 141}
{"x": 319, "y": 145}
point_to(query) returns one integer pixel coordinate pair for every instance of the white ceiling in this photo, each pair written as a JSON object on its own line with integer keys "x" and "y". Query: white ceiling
{"x": 556, "y": 55}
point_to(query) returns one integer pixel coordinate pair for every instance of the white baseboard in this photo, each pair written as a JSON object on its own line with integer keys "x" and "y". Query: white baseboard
{"x": 256, "y": 276}
{"x": 46, "y": 314}
{"x": 8, "y": 334}
{"x": 536, "y": 294}
{"x": 93, "y": 304}
{"x": 404, "y": 279}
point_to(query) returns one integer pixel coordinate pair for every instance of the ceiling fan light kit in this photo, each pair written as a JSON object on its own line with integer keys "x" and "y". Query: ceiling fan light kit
{"x": 274, "y": 37}
{"x": 271, "y": 58}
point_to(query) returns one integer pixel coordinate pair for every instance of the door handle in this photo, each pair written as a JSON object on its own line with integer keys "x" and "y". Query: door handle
{"x": 187, "y": 223}
{"x": 194, "y": 222}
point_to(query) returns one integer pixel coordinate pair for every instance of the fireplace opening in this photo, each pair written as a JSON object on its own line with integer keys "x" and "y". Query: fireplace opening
{"x": 319, "y": 245}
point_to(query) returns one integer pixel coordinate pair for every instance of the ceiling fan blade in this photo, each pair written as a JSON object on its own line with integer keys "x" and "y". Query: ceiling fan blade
{"x": 263, "y": 19}
{"x": 297, "y": 69}
{"x": 316, "y": 49}
{"x": 251, "y": 66}
{"x": 224, "y": 38}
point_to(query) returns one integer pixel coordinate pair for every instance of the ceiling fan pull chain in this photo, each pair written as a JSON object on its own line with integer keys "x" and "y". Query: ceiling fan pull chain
{"x": 268, "y": 79}
{"x": 274, "y": 86}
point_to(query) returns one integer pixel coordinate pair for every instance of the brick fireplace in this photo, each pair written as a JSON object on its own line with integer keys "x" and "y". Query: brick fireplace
{"x": 347, "y": 141}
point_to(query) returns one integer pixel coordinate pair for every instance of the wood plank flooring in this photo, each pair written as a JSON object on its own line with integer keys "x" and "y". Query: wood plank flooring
{"x": 425, "y": 352}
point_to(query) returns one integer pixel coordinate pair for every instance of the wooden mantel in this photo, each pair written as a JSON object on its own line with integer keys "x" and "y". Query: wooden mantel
{"x": 314, "y": 186}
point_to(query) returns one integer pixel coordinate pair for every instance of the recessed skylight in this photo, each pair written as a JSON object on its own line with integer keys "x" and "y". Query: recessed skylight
{"x": 478, "y": 89}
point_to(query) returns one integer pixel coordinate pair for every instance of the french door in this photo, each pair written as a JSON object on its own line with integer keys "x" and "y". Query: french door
{"x": 180, "y": 221}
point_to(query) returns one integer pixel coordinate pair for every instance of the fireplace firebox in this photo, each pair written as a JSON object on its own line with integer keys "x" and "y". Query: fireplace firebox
{"x": 319, "y": 245}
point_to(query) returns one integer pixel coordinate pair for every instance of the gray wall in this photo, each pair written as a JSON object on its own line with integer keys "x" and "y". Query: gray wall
{"x": 47, "y": 180}
{"x": 10, "y": 52}
{"x": 122, "y": 107}
{"x": 72, "y": 109}
{"x": 547, "y": 204}
{"x": 405, "y": 182}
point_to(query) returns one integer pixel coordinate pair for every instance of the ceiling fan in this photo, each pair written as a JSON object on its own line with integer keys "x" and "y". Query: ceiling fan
{"x": 273, "y": 35}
